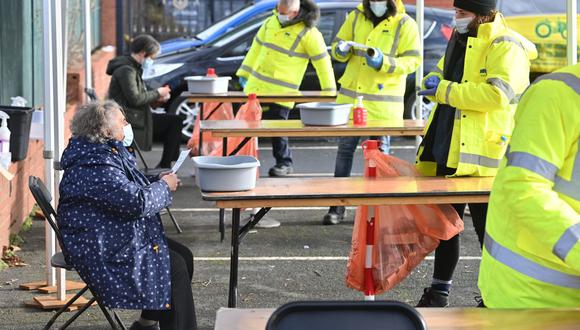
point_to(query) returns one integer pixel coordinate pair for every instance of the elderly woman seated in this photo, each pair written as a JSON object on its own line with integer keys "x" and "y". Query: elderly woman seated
{"x": 112, "y": 232}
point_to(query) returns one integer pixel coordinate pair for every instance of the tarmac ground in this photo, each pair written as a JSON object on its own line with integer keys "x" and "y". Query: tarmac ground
{"x": 300, "y": 260}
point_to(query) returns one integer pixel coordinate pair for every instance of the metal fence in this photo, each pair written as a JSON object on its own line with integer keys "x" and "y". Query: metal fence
{"x": 165, "y": 19}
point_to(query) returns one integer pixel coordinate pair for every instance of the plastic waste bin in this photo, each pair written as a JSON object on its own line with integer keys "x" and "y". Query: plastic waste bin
{"x": 19, "y": 126}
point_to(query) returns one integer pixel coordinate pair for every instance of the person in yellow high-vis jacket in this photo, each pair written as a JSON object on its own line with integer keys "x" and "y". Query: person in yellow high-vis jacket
{"x": 476, "y": 86}
{"x": 393, "y": 36}
{"x": 277, "y": 61}
{"x": 531, "y": 255}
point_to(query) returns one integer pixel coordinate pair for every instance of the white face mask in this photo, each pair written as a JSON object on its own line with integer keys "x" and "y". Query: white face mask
{"x": 461, "y": 24}
{"x": 283, "y": 19}
{"x": 379, "y": 8}
{"x": 128, "y": 131}
{"x": 147, "y": 64}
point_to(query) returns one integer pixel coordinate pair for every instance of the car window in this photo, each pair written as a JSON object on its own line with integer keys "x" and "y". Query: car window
{"x": 326, "y": 26}
{"x": 228, "y": 21}
{"x": 239, "y": 50}
{"x": 237, "y": 33}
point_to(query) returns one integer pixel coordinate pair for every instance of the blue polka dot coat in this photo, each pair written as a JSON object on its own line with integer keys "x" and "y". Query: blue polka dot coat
{"x": 109, "y": 218}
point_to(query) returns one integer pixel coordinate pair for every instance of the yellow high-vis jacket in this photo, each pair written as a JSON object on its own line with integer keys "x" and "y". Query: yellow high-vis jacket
{"x": 496, "y": 73}
{"x": 279, "y": 55}
{"x": 383, "y": 90}
{"x": 531, "y": 256}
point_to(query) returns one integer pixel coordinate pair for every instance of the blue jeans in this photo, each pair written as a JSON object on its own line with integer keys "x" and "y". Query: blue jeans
{"x": 346, "y": 148}
{"x": 280, "y": 149}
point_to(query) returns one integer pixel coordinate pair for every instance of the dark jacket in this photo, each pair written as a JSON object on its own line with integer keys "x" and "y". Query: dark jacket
{"x": 111, "y": 229}
{"x": 127, "y": 89}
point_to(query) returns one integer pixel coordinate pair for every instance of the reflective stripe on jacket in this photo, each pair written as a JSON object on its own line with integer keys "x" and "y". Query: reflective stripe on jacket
{"x": 279, "y": 56}
{"x": 532, "y": 250}
{"x": 496, "y": 73}
{"x": 383, "y": 90}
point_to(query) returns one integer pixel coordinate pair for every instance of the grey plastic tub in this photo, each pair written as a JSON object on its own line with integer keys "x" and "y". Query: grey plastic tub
{"x": 324, "y": 113}
{"x": 207, "y": 85}
{"x": 231, "y": 173}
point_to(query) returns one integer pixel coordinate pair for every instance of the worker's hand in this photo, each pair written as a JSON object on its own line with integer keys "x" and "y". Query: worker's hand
{"x": 377, "y": 61}
{"x": 171, "y": 180}
{"x": 432, "y": 82}
{"x": 343, "y": 47}
{"x": 164, "y": 91}
{"x": 428, "y": 92}
{"x": 243, "y": 81}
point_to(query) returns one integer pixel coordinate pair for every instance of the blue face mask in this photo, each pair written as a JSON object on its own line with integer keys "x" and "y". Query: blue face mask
{"x": 128, "y": 131}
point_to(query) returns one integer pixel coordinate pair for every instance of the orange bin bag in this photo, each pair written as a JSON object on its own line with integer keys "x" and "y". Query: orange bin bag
{"x": 404, "y": 234}
{"x": 251, "y": 111}
{"x": 211, "y": 111}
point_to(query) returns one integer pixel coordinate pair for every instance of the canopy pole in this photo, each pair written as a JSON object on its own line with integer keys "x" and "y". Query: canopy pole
{"x": 49, "y": 235}
{"x": 571, "y": 20}
{"x": 420, "y": 17}
{"x": 88, "y": 62}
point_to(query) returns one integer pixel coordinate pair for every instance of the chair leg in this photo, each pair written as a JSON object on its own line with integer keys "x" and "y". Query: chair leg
{"x": 65, "y": 307}
{"x": 108, "y": 316}
{"x": 119, "y": 321}
{"x": 78, "y": 313}
{"x": 174, "y": 221}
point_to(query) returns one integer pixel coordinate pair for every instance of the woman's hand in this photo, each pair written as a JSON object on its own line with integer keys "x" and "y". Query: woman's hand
{"x": 171, "y": 179}
{"x": 164, "y": 91}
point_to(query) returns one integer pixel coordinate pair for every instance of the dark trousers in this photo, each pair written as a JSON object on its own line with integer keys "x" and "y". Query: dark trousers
{"x": 447, "y": 253}
{"x": 167, "y": 128}
{"x": 280, "y": 148}
{"x": 181, "y": 316}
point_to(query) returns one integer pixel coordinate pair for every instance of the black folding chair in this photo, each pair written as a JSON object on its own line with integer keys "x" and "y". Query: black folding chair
{"x": 59, "y": 260}
{"x": 92, "y": 94}
{"x": 346, "y": 315}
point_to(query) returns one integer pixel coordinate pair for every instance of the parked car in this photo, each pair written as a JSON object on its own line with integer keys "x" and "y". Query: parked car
{"x": 254, "y": 9}
{"x": 227, "y": 52}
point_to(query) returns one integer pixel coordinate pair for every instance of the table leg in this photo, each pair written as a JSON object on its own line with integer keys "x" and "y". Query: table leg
{"x": 222, "y": 211}
{"x": 240, "y": 146}
{"x": 200, "y": 114}
{"x": 233, "y": 291}
{"x": 222, "y": 226}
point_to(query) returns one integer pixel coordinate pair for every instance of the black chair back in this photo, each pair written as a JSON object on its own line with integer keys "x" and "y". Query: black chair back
{"x": 346, "y": 315}
{"x": 43, "y": 198}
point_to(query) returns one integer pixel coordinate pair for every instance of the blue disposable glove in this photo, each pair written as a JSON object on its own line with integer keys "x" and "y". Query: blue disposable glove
{"x": 428, "y": 92}
{"x": 432, "y": 82}
{"x": 243, "y": 81}
{"x": 377, "y": 61}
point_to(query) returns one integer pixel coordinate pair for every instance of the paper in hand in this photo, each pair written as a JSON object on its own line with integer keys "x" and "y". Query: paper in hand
{"x": 182, "y": 157}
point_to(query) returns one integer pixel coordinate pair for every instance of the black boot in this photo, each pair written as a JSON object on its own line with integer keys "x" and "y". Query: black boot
{"x": 334, "y": 216}
{"x": 434, "y": 298}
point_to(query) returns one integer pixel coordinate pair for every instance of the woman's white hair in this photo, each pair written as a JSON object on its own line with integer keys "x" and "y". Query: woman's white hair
{"x": 92, "y": 121}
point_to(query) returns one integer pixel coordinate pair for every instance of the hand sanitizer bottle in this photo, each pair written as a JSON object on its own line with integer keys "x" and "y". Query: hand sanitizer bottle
{"x": 5, "y": 155}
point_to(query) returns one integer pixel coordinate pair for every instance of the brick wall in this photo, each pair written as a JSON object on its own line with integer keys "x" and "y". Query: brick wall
{"x": 108, "y": 23}
{"x": 434, "y": 3}
{"x": 15, "y": 198}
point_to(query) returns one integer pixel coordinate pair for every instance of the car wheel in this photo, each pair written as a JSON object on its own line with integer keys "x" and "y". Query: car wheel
{"x": 181, "y": 106}
{"x": 411, "y": 106}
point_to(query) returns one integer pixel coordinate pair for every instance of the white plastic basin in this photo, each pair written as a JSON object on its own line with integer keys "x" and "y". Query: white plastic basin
{"x": 207, "y": 85}
{"x": 324, "y": 113}
{"x": 231, "y": 173}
